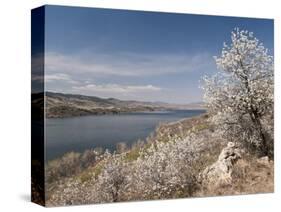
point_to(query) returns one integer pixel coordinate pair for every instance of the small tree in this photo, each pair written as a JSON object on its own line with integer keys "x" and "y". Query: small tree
{"x": 240, "y": 96}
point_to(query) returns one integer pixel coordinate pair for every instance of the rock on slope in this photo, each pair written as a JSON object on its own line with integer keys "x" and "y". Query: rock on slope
{"x": 236, "y": 173}
{"x": 220, "y": 172}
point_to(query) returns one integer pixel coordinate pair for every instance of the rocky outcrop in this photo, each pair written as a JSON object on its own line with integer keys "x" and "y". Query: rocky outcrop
{"x": 220, "y": 172}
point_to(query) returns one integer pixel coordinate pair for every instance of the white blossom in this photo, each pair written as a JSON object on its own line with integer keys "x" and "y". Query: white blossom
{"x": 240, "y": 95}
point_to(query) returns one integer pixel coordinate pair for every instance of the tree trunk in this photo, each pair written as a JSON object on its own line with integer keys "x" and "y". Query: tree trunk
{"x": 255, "y": 117}
{"x": 257, "y": 122}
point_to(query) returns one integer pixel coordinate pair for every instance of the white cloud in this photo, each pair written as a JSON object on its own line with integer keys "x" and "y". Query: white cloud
{"x": 126, "y": 75}
{"x": 115, "y": 89}
{"x": 126, "y": 64}
{"x": 59, "y": 77}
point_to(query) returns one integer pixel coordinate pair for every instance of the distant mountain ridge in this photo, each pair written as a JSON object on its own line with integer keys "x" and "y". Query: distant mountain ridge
{"x": 59, "y": 105}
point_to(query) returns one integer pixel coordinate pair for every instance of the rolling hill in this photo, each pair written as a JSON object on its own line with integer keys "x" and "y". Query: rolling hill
{"x": 59, "y": 105}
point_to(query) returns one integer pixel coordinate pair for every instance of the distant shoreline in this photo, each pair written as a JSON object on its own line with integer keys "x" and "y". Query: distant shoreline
{"x": 60, "y": 105}
{"x": 126, "y": 113}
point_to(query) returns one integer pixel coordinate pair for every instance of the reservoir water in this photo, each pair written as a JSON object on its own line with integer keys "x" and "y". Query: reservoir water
{"x": 80, "y": 133}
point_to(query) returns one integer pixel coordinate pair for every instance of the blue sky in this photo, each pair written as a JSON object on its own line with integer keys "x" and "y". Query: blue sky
{"x": 137, "y": 55}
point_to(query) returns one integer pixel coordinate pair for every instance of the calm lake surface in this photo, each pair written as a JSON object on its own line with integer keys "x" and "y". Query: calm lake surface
{"x": 81, "y": 133}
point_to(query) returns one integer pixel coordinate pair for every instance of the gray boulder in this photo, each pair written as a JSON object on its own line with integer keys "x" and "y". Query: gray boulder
{"x": 220, "y": 172}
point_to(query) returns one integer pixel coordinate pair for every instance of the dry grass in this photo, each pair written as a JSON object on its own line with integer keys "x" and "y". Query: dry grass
{"x": 248, "y": 177}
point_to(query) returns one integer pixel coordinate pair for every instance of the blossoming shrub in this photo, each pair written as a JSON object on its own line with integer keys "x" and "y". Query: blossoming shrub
{"x": 163, "y": 170}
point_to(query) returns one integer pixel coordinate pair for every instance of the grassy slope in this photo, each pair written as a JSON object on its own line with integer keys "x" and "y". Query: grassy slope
{"x": 248, "y": 177}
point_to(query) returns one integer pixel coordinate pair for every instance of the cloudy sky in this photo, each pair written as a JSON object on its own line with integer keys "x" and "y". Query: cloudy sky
{"x": 136, "y": 55}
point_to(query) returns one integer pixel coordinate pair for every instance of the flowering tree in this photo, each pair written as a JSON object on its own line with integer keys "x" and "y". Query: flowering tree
{"x": 240, "y": 96}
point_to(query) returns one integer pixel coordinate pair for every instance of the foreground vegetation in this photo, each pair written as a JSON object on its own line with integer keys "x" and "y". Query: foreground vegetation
{"x": 167, "y": 165}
